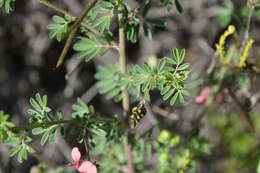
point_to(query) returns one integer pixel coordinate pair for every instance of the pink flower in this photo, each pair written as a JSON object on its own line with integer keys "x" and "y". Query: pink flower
{"x": 200, "y": 99}
{"x": 203, "y": 95}
{"x": 205, "y": 91}
{"x": 82, "y": 166}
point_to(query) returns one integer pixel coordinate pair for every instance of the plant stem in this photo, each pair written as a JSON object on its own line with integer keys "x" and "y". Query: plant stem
{"x": 59, "y": 122}
{"x": 122, "y": 60}
{"x": 125, "y": 104}
{"x": 66, "y": 48}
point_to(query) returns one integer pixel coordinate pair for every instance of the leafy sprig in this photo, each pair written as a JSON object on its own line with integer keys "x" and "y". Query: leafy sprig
{"x": 90, "y": 47}
{"x": 134, "y": 21}
{"x": 169, "y": 77}
{"x": 100, "y": 16}
{"x": 20, "y": 147}
{"x": 108, "y": 84}
{"x": 81, "y": 109}
{"x": 8, "y": 5}
{"x": 39, "y": 111}
{"x": 5, "y": 126}
{"x": 60, "y": 26}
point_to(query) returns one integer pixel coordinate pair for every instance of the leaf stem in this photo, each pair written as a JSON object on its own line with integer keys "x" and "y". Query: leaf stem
{"x": 59, "y": 122}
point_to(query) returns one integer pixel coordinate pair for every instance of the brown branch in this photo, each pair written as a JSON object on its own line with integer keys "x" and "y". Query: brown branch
{"x": 66, "y": 48}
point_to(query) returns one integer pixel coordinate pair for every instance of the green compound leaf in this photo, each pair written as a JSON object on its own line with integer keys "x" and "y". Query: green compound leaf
{"x": 53, "y": 135}
{"x": 110, "y": 81}
{"x": 176, "y": 55}
{"x": 132, "y": 32}
{"x": 168, "y": 94}
{"x": 100, "y": 16}
{"x": 39, "y": 105}
{"x": 185, "y": 92}
{"x": 169, "y": 4}
{"x": 5, "y": 126}
{"x": 8, "y": 5}
{"x": 174, "y": 98}
{"x": 170, "y": 60}
{"x": 99, "y": 143}
{"x": 184, "y": 66}
{"x": 37, "y": 131}
{"x": 182, "y": 55}
{"x": 1, "y": 3}
{"x": 15, "y": 150}
{"x": 13, "y": 141}
{"x": 161, "y": 65}
{"x": 81, "y": 109}
{"x": 99, "y": 132}
{"x": 147, "y": 32}
{"x": 181, "y": 98}
{"x": 30, "y": 149}
{"x": 45, "y": 137}
{"x": 27, "y": 139}
{"x": 58, "y": 19}
{"x": 88, "y": 48}
{"x": 147, "y": 7}
{"x": 59, "y": 28}
{"x": 22, "y": 155}
{"x": 178, "y": 6}
{"x": 35, "y": 105}
{"x": 103, "y": 23}
{"x": 156, "y": 22}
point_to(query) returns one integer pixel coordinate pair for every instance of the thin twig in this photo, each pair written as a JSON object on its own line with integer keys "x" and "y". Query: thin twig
{"x": 66, "y": 48}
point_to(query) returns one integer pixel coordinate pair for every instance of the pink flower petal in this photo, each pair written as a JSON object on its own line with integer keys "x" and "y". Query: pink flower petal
{"x": 205, "y": 91}
{"x": 75, "y": 154}
{"x": 92, "y": 169}
{"x": 200, "y": 99}
{"x": 87, "y": 167}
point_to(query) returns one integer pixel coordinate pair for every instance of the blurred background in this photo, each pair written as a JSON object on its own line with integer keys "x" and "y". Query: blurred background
{"x": 27, "y": 66}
